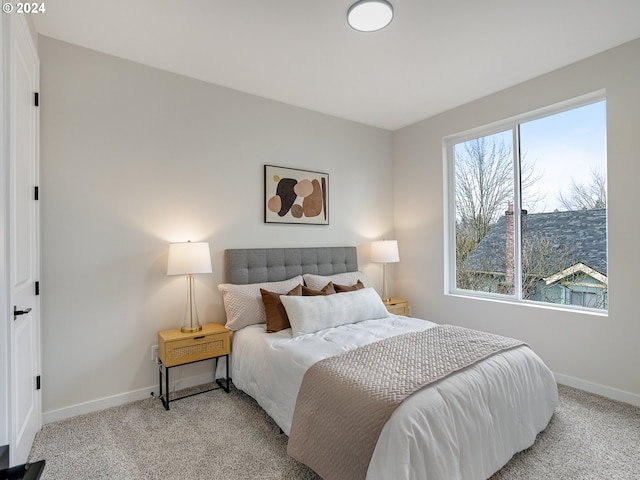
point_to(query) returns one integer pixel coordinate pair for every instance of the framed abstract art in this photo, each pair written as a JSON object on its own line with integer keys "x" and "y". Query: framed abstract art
{"x": 295, "y": 196}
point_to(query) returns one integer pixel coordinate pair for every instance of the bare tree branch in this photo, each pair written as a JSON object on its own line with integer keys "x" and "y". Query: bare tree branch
{"x": 586, "y": 196}
{"x": 484, "y": 186}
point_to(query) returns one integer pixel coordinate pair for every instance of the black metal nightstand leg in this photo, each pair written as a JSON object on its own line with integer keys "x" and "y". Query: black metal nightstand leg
{"x": 166, "y": 384}
{"x": 160, "y": 380}
{"x": 164, "y": 398}
{"x": 218, "y": 381}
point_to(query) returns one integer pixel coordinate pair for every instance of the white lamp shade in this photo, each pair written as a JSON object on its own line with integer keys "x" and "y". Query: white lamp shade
{"x": 189, "y": 257}
{"x": 370, "y": 15}
{"x": 385, "y": 251}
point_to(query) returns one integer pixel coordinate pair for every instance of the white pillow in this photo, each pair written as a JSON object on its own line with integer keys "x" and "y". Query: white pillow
{"x": 318, "y": 282}
{"x": 243, "y": 303}
{"x": 311, "y": 314}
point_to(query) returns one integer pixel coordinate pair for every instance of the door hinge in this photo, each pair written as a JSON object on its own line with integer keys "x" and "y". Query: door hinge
{"x": 36, "y": 99}
{"x": 36, "y": 193}
{"x": 38, "y": 386}
{"x": 37, "y": 285}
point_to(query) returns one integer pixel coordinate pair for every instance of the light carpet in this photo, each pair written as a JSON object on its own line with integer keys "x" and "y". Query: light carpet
{"x": 217, "y": 435}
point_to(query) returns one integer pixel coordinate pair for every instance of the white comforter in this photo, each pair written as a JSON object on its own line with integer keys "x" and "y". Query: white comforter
{"x": 466, "y": 426}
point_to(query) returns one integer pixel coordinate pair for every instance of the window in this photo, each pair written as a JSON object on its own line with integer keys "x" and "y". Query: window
{"x": 584, "y": 299}
{"x": 527, "y": 208}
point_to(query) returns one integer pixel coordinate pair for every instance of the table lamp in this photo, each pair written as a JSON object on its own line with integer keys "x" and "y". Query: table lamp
{"x": 189, "y": 258}
{"x": 384, "y": 251}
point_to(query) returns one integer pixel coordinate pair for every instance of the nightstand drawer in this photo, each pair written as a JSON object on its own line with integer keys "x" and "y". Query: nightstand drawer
{"x": 397, "y": 306}
{"x": 177, "y": 348}
{"x": 194, "y": 349}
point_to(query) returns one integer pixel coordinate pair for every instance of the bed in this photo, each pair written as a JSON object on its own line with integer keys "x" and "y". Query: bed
{"x": 466, "y": 425}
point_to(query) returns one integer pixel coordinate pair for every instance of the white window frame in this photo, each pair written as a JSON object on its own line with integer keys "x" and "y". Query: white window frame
{"x": 448, "y": 144}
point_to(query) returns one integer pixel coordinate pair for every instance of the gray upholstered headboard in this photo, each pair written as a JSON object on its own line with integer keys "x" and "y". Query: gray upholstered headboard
{"x": 256, "y": 265}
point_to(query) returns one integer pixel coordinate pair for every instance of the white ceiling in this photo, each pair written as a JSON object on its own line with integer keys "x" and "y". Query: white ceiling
{"x": 435, "y": 55}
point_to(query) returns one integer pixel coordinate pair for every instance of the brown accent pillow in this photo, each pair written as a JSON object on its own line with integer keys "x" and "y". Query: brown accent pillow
{"x": 327, "y": 290}
{"x": 344, "y": 288}
{"x": 276, "y": 314}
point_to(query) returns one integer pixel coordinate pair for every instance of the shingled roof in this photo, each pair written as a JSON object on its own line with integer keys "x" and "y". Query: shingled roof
{"x": 583, "y": 233}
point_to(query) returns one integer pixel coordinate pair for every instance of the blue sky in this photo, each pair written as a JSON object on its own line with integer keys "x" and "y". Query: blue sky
{"x": 565, "y": 146}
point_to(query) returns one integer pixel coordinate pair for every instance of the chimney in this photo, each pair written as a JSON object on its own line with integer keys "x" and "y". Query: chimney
{"x": 509, "y": 274}
{"x": 509, "y": 243}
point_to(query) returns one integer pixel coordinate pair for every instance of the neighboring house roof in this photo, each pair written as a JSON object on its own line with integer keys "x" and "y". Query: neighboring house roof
{"x": 577, "y": 268}
{"x": 581, "y": 233}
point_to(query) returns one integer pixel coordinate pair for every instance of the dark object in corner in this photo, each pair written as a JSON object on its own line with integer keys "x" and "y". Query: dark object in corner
{"x": 27, "y": 471}
{"x": 4, "y": 457}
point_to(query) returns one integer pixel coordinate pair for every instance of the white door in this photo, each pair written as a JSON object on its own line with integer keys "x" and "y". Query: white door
{"x": 25, "y": 404}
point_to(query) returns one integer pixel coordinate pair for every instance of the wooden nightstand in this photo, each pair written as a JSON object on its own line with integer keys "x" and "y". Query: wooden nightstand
{"x": 397, "y": 306}
{"x": 176, "y": 348}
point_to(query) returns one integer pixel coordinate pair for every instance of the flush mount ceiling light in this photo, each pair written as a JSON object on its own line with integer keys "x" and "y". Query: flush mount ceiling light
{"x": 370, "y": 15}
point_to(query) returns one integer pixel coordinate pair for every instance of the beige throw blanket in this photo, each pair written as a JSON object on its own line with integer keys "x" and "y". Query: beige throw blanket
{"x": 345, "y": 400}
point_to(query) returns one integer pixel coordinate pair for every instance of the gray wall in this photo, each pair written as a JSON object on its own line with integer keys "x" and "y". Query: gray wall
{"x": 134, "y": 158}
{"x": 599, "y": 353}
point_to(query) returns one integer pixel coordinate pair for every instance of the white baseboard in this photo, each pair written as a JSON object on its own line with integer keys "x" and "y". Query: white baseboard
{"x": 609, "y": 392}
{"x": 120, "y": 399}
